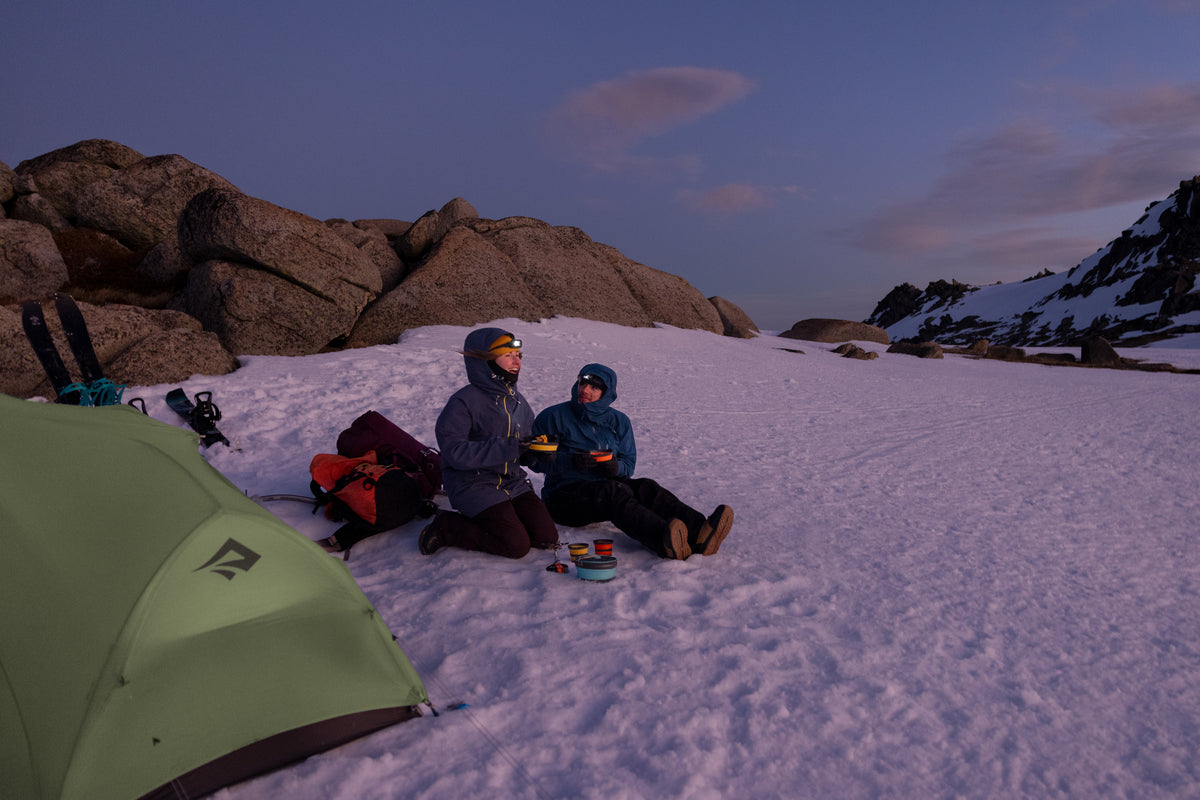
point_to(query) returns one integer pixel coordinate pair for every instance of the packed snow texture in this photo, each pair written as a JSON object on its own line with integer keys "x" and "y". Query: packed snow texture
{"x": 951, "y": 578}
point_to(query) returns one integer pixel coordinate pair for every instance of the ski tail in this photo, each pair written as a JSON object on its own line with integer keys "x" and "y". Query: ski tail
{"x": 100, "y": 391}
{"x": 65, "y": 390}
{"x": 78, "y": 338}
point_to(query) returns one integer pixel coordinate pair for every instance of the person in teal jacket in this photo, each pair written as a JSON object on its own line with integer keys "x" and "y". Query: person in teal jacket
{"x": 591, "y": 477}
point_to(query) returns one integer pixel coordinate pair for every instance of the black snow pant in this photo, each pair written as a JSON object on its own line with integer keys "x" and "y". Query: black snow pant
{"x": 639, "y": 507}
{"x": 507, "y": 529}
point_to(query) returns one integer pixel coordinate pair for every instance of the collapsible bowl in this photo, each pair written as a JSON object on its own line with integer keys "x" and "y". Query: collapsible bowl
{"x": 597, "y": 568}
{"x": 543, "y": 447}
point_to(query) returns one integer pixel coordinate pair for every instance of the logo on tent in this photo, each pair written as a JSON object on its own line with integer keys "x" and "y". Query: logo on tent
{"x": 232, "y": 556}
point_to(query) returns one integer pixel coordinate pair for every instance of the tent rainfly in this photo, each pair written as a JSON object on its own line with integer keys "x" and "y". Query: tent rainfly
{"x": 163, "y": 636}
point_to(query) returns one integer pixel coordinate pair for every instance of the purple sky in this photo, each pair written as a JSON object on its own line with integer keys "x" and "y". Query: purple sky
{"x": 799, "y": 159}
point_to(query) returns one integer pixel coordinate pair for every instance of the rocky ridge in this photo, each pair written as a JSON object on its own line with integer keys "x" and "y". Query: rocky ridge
{"x": 1138, "y": 288}
{"x": 178, "y": 272}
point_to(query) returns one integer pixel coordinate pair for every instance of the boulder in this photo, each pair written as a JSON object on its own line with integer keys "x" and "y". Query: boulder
{"x": 89, "y": 151}
{"x": 135, "y": 345}
{"x": 257, "y": 312}
{"x": 431, "y": 227}
{"x": 30, "y": 264}
{"x": 415, "y": 242}
{"x": 665, "y": 297}
{"x": 1053, "y": 359}
{"x": 454, "y": 212}
{"x": 1096, "y": 351}
{"x": 61, "y": 176}
{"x": 393, "y": 229}
{"x": 574, "y": 276}
{"x": 172, "y": 356}
{"x": 33, "y": 207}
{"x": 734, "y": 321}
{"x": 830, "y": 331}
{"x": 267, "y": 279}
{"x": 372, "y": 243}
{"x": 165, "y": 265}
{"x": 918, "y": 349}
{"x": 463, "y": 282}
{"x": 101, "y": 266}
{"x": 525, "y": 268}
{"x": 8, "y": 185}
{"x": 850, "y": 350}
{"x": 1003, "y": 352}
{"x": 140, "y": 204}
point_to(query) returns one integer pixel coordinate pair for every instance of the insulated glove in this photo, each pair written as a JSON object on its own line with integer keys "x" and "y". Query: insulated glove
{"x": 587, "y": 462}
{"x": 528, "y": 457}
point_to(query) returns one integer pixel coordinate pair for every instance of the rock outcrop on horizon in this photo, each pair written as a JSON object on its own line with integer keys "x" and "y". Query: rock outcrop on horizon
{"x": 178, "y": 272}
{"x": 835, "y": 330}
{"x": 1139, "y": 288}
{"x": 483, "y": 269}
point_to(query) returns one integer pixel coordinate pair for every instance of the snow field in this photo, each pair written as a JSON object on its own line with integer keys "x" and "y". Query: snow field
{"x": 951, "y": 578}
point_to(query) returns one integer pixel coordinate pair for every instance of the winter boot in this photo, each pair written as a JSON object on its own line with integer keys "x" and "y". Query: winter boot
{"x": 675, "y": 541}
{"x": 431, "y": 538}
{"x": 714, "y": 530}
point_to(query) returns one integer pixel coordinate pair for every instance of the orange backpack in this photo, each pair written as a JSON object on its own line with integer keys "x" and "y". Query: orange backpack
{"x": 368, "y": 496}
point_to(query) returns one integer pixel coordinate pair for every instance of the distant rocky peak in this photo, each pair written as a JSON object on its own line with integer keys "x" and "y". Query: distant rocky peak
{"x": 1137, "y": 287}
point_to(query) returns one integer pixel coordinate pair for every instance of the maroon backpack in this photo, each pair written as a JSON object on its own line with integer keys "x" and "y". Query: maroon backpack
{"x": 393, "y": 445}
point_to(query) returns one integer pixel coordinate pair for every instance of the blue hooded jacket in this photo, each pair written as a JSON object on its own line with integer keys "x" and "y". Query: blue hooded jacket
{"x": 478, "y": 433}
{"x": 586, "y": 426}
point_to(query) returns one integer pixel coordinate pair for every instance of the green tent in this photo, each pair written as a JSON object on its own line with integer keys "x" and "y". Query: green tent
{"x": 162, "y": 635}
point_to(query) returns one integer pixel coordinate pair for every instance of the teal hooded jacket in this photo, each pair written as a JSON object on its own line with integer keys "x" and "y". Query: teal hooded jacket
{"x": 580, "y": 426}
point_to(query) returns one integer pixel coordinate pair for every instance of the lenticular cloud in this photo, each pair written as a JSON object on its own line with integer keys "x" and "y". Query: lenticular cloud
{"x": 604, "y": 120}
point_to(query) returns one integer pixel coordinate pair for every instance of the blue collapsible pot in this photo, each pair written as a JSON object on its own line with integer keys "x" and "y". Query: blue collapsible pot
{"x": 597, "y": 568}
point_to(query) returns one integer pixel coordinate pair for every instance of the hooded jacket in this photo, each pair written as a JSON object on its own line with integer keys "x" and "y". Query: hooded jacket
{"x": 478, "y": 434}
{"x": 580, "y": 426}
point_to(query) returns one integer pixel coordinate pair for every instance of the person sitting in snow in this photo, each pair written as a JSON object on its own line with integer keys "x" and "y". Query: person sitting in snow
{"x": 482, "y": 433}
{"x": 591, "y": 479}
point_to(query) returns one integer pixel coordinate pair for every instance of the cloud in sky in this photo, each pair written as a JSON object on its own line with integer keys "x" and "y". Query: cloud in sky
{"x": 1113, "y": 147}
{"x": 603, "y": 123}
{"x": 733, "y": 199}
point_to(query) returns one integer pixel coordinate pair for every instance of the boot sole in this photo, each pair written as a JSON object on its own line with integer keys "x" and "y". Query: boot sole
{"x": 679, "y": 541}
{"x": 713, "y": 542}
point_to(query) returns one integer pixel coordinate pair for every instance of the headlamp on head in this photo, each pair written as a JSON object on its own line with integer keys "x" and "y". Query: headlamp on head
{"x": 503, "y": 345}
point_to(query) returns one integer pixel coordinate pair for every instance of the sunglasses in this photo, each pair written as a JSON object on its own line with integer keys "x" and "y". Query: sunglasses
{"x": 592, "y": 380}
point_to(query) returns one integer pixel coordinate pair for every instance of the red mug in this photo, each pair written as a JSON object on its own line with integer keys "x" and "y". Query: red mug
{"x": 603, "y": 547}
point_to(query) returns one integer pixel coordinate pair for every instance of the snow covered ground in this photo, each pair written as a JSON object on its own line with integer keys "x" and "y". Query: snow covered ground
{"x": 953, "y": 578}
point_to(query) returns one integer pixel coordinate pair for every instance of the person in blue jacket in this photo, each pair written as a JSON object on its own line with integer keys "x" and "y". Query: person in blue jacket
{"x": 591, "y": 477}
{"x": 482, "y": 432}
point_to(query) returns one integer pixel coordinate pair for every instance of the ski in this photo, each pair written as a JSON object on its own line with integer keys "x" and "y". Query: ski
{"x": 101, "y": 391}
{"x": 38, "y": 334}
{"x": 202, "y": 415}
{"x": 78, "y": 338}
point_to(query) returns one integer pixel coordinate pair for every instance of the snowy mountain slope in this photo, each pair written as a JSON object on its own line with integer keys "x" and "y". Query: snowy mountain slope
{"x": 1137, "y": 288}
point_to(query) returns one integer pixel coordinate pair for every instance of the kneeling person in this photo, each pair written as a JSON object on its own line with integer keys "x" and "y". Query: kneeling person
{"x": 480, "y": 433}
{"x": 592, "y": 480}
